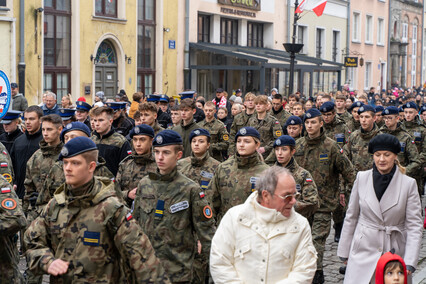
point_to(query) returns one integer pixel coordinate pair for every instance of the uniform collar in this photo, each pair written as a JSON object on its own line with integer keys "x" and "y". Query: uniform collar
{"x": 198, "y": 162}
{"x": 247, "y": 162}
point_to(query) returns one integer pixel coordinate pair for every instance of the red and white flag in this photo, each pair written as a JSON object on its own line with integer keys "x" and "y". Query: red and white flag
{"x": 315, "y": 5}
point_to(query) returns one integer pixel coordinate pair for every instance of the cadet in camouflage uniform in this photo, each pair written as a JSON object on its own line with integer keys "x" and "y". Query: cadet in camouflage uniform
{"x": 137, "y": 165}
{"x": 235, "y": 179}
{"x": 41, "y": 162}
{"x": 149, "y": 113}
{"x": 172, "y": 209}
{"x": 6, "y": 167}
{"x": 11, "y": 221}
{"x": 341, "y": 111}
{"x": 379, "y": 117}
{"x": 354, "y": 124}
{"x": 278, "y": 111}
{"x": 322, "y": 157}
{"x": 268, "y": 126}
{"x": 219, "y": 141}
{"x": 241, "y": 120}
{"x": 187, "y": 111}
{"x": 308, "y": 202}
{"x": 85, "y": 234}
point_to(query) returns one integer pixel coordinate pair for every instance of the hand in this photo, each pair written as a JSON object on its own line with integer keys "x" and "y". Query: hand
{"x": 409, "y": 272}
{"x": 58, "y": 267}
{"x": 261, "y": 150}
{"x": 342, "y": 199}
{"x": 132, "y": 193}
{"x": 15, "y": 187}
{"x": 199, "y": 247}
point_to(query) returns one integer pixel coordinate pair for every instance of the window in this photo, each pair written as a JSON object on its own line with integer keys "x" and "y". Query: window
{"x": 367, "y": 79}
{"x": 57, "y": 47}
{"x": 302, "y": 37}
{"x": 3, "y": 3}
{"x": 356, "y": 27}
{"x": 146, "y": 46}
{"x": 404, "y": 32}
{"x": 228, "y": 31}
{"x": 320, "y": 40}
{"x": 353, "y": 79}
{"x": 254, "y": 34}
{"x": 380, "y": 31}
{"x": 203, "y": 28}
{"x": 369, "y": 29}
{"x": 414, "y": 57}
{"x": 336, "y": 46}
{"x": 106, "y": 8}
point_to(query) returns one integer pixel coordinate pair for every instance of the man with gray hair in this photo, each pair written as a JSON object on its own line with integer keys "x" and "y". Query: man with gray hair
{"x": 50, "y": 106}
{"x": 264, "y": 240}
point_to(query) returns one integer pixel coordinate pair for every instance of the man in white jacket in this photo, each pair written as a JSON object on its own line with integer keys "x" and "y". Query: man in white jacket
{"x": 264, "y": 240}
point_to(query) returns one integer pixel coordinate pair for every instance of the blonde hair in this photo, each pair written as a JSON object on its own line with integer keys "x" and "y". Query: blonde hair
{"x": 402, "y": 169}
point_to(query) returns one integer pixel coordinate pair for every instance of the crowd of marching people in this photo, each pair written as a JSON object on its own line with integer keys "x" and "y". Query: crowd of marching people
{"x": 243, "y": 188}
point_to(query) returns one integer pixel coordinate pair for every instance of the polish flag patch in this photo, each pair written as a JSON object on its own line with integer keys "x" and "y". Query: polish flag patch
{"x": 202, "y": 195}
{"x": 129, "y": 216}
{"x": 308, "y": 180}
{"x": 3, "y": 165}
{"x": 129, "y": 152}
{"x": 4, "y": 152}
{"x": 5, "y": 190}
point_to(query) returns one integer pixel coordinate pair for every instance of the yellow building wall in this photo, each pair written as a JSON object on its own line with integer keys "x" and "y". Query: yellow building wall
{"x": 170, "y": 56}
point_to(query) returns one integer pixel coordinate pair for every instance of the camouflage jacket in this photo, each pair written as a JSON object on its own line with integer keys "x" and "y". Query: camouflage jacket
{"x": 132, "y": 169}
{"x": 346, "y": 116}
{"x": 92, "y": 230}
{"x": 240, "y": 120}
{"x": 308, "y": 202}
{"x": 200, "y": 170}
{"x": 184, "y": 132}
{"x": 6, "y": 166}
{"x": 418, "y": 131}
{"x": 11, "y": 221}
{"x": 338, "y": 131}
{"x": 171, "y": 210}
{"x": 38, "y": 168}
{"x": 269, "y": 129}
{"x": 234, "y": 181}
{"x": 357, "y": 149}
{"x": 409, "y": 156}
{"x": 322, "y": 157}
{"x": 157, "y": 127}
{"x": 282, "y": 115}
{"x": 219, "y": 141}
{"x": 56, "y": 178}
{"x": 353, "y": 124}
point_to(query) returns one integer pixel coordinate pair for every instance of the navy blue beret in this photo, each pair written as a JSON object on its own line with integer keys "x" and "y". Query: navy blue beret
{"x": 66, "y": 113}
{"x": 167, "y": 137}
{"x": 390, "y": 110}
{"x": 356, "y": 104}
{"x": 10, "y": 115}
{"x": 77, "y": 146}
{"x": 76, "y": 125}
{"x": 293, "y": 120}
{"x": 247, "y": 131}
{"x": 327, "y": 107}
{"x": 379, "y": 109}
{"x": 198, "y": 132}
{"x": 384, "y": 142}
{"x": 410, "y": 105}
{"x": 311, "y": 113}
{"x": 423, "y": 109}
{"x": 187, "y": 95}
{"x": 142, "y": 129}
{"x": 400, "y": 109}
{"x": 284, "y": 140}
{"x": 14, "y": 85}
{"x": 83, "y": 106}
{"x": 365, "y": 108}
{"x": 116, "y": 105}
{"x": 153, "y": 98}
{"x": 164, "y": 98}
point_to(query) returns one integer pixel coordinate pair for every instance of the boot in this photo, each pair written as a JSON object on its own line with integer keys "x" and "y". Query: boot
{"x": 319, "y": 277}
{"x": 337, "y": 231}
{"x": 342, "y": 270}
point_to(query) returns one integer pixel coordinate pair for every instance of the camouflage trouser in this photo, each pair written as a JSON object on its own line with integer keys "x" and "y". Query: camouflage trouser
{"x": 199, "y": 269}
{"x": 340, "y": 212}
{"x": 320, "y": 231}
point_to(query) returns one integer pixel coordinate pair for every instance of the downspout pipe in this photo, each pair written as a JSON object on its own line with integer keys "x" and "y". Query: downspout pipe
{"x": 348, "y": 37}
{"x": 288, "y": 19}
{"x": 421, "y": 50}
{"x": 389, "y": 63}
{"x": 21, "y": 64}
{"x": 186, "y": 71}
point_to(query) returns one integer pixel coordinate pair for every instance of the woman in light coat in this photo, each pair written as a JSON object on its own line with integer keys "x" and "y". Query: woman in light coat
{"x": 384, "y": 212}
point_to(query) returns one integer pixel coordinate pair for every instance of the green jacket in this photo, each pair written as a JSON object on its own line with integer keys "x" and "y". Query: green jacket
{"x": 184, "y": 132}
{"x": 219, "y": 141}
{"x": 240, "y": 120}
{"x": 200, "y": 170}
{"x": 269, "y": 129}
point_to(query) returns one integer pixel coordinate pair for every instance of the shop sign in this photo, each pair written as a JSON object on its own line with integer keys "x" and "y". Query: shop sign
{"x": 351, "y": 61}
{"x": 247, "y": 4}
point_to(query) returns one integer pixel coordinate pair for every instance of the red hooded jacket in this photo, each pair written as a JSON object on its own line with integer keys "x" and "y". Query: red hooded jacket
{"x": 384, "y": 259}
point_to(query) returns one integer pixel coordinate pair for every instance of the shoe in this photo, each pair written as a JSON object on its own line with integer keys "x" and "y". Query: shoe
{"x": 319, "y": 277}
{"x": 342, "y": 270}
{"x": 337, "y": 231}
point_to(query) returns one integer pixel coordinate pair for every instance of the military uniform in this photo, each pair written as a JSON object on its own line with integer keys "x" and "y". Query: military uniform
{"x": 6, "y": 167}
{"x": 171, "y": 209}
{"x": 131, "y": 170}
{"x": 234, "y": 181}
{"x": 157, "y": 128}
{"x": 219, "y": 141}
{"x": 240, "y": 120}
{"x": 282, "y": 115}
{"x": 92, "y": 230}
{"x": 12, "y": 220}
{"x": 308, "y": 203}
{"x": 338, "y": 131}
{"x": 184, "y": 131}
{"x": 353, "y": 124}
{"x": 346, "y": 116}
{"x": 269, "y": 129}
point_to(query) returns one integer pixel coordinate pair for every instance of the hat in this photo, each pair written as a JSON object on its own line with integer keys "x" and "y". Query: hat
{"x": 379, "y": 109}
{"x": 167, "y": 137}
{"x": 356, "y": 104}
{"x": 100, "y": 95}
{"x": 119, "y": 96}
{"x": 77, "y": 146}
{"x": 390, "y": 110}
{"x": 384, "y": 142}
{"x": 274, "y": 89}
{"x": 81, "y": 99}
{"x": 116, "y": 105}
{"x": 247, "y": 131}
{"x": 81, "y": 105}
{"x": 66, "y": 113}
{"x": 219, "y": 90}
{"x": 365, "y": 108}
{"x": 164, "y": 98}
{"x": 76, "y": 125}
{"x": 327, "y": 107}
{"x": 198, "y": 132}
{"x": 293, "y": 120}
{"x": 311, "y": 113}
{"x": 284, "y": 140}
{"x": 423, "y": 109}
{"x": 383, "y": 261}
{"x": 142, "y": 129}
{"x": 187, "y": 95}
{"x": 153, "y": 98}
{"x": 238, "y": 91}
{"x": 14, "y": 85}
{"x": 10, "y": 115}
{"x": 410, "y": 105}
{"x": 400, "y": 109}
{"x": 232, "y": 98}
{"x": 238, "y": 100}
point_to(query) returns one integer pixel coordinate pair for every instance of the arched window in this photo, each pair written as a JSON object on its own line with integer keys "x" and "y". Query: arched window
{"x": 106, "y": 54}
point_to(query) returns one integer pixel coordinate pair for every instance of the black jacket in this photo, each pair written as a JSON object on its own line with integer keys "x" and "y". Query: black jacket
{"x": 8, "y": 138}
{"x": 164, "y": 118}
{"x": 22, "y": 150}
{"x": 122, "y": 125}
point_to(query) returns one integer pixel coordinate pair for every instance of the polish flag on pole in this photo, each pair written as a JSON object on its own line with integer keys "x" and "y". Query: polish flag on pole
{"x": 315, "y": 5}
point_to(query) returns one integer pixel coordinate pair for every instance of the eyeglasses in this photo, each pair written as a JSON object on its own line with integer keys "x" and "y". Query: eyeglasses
{"x": 289, "y": 197}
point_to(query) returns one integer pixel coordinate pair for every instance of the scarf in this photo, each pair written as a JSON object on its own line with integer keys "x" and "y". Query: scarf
{"x": 222, "y": 102}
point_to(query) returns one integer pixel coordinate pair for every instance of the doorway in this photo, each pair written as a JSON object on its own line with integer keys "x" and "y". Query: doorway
{"x": 106, "y": 70}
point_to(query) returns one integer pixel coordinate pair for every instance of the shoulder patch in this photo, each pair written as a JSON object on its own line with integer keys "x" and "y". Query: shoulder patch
{"x": 202, "y": 194}
{"x": 9, "y": 204}
{"x": 308, "y": 180}
{"x": 278, "y": 133}
{"x": 323, "y": 157}
{"x": 4, "y": 152}
{"x": 129, "y": 152}
{"x": 204, "y": 184}
{"x": 3, "y": 165}
{"x": 91, "y": 238}
{"x": 129, "y": 216}
{"x": 207, "y": 211}
{"x": 225, "y": 137}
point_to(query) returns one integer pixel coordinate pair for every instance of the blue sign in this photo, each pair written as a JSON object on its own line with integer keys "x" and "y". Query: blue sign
{"x": 172, "y": 44}
{"x": 5, "y": 94}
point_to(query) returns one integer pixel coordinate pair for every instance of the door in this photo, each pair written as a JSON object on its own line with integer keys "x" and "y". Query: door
{"x": 106, "y": 70}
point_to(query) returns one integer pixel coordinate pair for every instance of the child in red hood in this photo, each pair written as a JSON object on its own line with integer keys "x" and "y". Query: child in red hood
{"x": 391, "y": 269}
